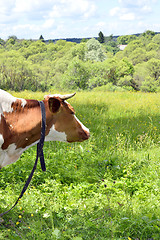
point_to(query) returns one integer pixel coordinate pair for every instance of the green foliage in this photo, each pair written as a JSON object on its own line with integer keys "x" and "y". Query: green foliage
{"x": 41, "y": 38}
{"x": 79, "y": 51}
{"x": 94, "y": 51}
{"x": 40, "y": 65}
{"x": 148, "y": 34}
{"x": 2, "y": 42}
{"x": 104, "y": 188}
{"x": 101, "y": 37}
{"x": 156, "y": 39}
{"x": 98, "y": 74}
{"x": 126, "y": 39}
{"x": 15, "y": 72}
{"x": 76, "y": 76}
{"x": 111, "y": 44}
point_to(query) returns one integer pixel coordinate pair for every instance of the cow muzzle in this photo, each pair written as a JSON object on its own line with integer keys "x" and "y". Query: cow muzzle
{"x": 85, "y": 134}
{"x": 81, "y": 136}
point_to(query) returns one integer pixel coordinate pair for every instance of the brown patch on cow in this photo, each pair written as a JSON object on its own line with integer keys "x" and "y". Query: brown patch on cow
{"x": 31, "y": 103}
{"x": 68, "y": 107}
{"x": 16, "y": 106}
{"x": 5, "y": 131}
{"x": 21, "y": 124}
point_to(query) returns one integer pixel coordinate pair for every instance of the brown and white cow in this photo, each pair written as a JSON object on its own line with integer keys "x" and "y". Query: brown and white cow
{"x": 20, "y": 124}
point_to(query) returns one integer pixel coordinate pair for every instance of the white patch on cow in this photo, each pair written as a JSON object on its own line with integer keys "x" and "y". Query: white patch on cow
{"x": 12, "y": 153}
{"x": 9, "y": 155}
{"x": 6, "y": 100}
{"x": 1, "y": 112}
{"x": 83, "y": 127}
{"x": 1, "y": 140}
{"x": 24, "y": 102}
{"x": 54, "y": 135}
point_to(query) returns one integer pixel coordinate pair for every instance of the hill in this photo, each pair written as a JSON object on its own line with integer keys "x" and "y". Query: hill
{"x": 79, "y": 40}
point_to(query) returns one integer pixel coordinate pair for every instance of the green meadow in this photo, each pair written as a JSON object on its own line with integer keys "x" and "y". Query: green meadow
{"x": 105, "y": 188}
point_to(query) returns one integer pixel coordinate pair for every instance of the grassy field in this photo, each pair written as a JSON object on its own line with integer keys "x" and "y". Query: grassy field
{"x": 104, "y": 188}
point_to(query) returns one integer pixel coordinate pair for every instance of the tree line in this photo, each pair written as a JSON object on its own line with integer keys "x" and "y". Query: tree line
{"x": 93, "y": 63}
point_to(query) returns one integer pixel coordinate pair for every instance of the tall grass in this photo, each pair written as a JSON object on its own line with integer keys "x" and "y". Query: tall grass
{"x": 104, "y": 188}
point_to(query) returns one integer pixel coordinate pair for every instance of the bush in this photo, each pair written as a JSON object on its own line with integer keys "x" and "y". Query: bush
{"x": 76, "y": 76}
{"x": 150, "y": 85}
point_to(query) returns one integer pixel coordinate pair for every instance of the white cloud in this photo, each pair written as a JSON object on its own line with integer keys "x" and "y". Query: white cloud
{"x": 71, "y": 8}
{"x": 114, "y": 11}
{"x": 53, "y": 8}
{"x": 25, "y": 6}
{"x": 148, "y": 26}
{"x": 139, "y": 6}
{"x": 49, "y": 23}
{"x": 6, "y": 6}
{"x": 146, "y": 9}
{"x": 101, "y": 24}
{"x": 20, "y": 15}
{"x": 127, "y": 16}
{"x": 129, "y": 10}
{"x": 123, "y": 14}
{"x": 136, "y": 3}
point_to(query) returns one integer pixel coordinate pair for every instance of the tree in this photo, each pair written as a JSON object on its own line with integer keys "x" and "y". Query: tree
{"x": 41, "y": 38}
{"x": 12, "y": 37}
{"x": 11, "y": 40}
{"x": 156, "y": 39}
{"x": 2, "y": 42}
{"x": 124, "y": 40}
{"x": 148, "y": 33}
{"x": 111, "y": 44}
{"x": 76, "y": 76}
{"x": 79, "y": 51}
{"x": 94, "y": 51}
{"x": 101, "y": 38}
{"x": 84, "y": 40}
{"x": 138, "y": 55}
{"x": 132, "y": 46}
{"x": 153, "y": 65}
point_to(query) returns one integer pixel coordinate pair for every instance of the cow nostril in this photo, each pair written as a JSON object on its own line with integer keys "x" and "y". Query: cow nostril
{"x": 85, "y": 135}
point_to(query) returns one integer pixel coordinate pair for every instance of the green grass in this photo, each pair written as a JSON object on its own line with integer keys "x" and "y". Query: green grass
{"x": 105, "y": 188}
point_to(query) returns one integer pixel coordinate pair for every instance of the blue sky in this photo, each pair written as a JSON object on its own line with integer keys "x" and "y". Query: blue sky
{"x": 77, "y": 18}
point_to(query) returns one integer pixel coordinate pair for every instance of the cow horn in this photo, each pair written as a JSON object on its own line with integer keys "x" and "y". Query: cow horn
{"x": 67, "y": 96}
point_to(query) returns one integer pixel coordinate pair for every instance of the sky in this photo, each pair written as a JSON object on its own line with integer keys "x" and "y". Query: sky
{"x": 56, "y": 19}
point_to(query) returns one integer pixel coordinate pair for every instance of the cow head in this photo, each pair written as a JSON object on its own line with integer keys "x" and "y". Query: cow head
{"x": 62, "y": 124}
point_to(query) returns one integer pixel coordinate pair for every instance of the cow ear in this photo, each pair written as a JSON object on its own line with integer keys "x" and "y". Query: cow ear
{"x": 54, "y": 104}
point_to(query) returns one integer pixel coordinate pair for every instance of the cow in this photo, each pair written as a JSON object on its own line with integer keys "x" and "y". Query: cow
{"x": 20, "y": 124}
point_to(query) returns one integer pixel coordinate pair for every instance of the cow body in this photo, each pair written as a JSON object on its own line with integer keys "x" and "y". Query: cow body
{"x": 20, "y": 124}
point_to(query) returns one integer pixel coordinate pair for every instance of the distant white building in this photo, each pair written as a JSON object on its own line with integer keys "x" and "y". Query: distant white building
{"x": 122, "y": 47}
